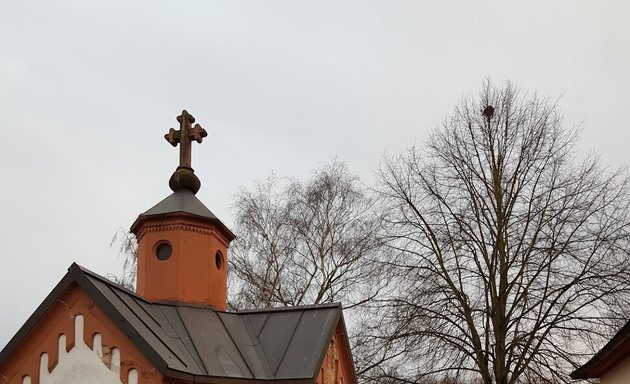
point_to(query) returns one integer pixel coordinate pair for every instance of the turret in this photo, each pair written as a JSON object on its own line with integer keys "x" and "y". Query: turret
{"x": 182, "y": 245}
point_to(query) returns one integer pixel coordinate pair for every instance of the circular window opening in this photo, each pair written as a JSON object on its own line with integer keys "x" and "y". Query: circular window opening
{"x": 218, "y": 259}
{"x": 163, "y": 251}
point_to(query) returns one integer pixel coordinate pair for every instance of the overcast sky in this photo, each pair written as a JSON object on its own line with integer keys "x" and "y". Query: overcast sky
{"x": 88, "y": 89}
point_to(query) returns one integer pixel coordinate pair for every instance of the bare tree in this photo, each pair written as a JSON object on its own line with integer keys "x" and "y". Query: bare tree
{"x": 305, "y": 243}
{"x": 511, "y": 260}
{"x": 128, "y": 249}
{"x": 309, "y": 243}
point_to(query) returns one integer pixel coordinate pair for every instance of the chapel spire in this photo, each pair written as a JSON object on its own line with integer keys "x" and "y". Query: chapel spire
{"x": 184, "y": 177}
{"x": 182, "y": 245}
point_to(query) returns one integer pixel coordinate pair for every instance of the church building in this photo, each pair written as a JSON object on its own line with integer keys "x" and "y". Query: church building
{"x": 176, "y": 327}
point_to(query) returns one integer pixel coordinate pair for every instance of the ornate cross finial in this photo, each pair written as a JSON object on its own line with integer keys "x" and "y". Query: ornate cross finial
{"x": 184, "y": 137}
{"x": 184, "y": 176}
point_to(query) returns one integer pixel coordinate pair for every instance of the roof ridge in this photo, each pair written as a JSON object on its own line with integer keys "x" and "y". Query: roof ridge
{"x": 294, "y": 308}
{"x": 74, "y": 268}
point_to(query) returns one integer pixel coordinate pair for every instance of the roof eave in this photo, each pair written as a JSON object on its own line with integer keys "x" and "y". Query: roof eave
{"x": 216, "y": 223}
{"x": 347, "y": 342}
{"x": 78, "y": 276}
{"x": 610, "y": 355}
{"x": 122, "y": 324}
{"x": 206, "y": 379}
{"x": 38, "y": 314}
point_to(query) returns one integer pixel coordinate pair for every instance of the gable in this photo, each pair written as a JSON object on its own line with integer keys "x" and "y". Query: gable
{"x": 73, "y": 341}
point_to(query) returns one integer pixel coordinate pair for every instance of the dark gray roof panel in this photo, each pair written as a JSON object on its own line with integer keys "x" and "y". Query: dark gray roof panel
{"x": 276, "y": 335}
{"x": 313, "y": 333}
{"x": 248, "y": 344}
{"x": 181, "y": 201}
{"x": 175, "y": 321}
{"x": 214, "y": 344}
{"x": 257, "y": 321}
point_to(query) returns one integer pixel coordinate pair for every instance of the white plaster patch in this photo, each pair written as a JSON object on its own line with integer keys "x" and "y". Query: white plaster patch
{"x": 82, "y": 364}
{"x": 133, "y": 376}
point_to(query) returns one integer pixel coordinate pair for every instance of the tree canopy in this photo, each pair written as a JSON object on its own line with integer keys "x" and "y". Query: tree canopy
{"x": 510, "y": 254}
{"x": 305, "y": 242}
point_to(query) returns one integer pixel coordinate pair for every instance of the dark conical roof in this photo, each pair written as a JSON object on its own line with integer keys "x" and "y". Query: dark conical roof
{"x": 181, "y": 201}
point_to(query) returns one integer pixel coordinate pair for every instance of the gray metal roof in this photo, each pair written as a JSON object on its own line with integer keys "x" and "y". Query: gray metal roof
{"x": 199, "y": 343}
{"x": 181, "y": 201}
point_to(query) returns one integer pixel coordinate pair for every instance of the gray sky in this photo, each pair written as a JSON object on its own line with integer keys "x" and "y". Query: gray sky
{"x": 87, "y": 90}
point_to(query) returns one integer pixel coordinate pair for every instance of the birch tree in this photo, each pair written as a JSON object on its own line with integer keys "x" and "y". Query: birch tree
{"x": 312, "y": 242}
{"x": 305, "y": 242}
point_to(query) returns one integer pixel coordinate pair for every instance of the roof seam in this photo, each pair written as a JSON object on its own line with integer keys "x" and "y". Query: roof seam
{"x": 236, "y": 345}
{"x": 247, "y": 323}
{"x": 192, "y": 341}
{"x": 297, "y": 324}
{"x": 263, "y": 326}
{"x": 182, "y": 341}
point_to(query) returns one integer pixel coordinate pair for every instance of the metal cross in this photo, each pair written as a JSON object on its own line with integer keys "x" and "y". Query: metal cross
{"x": 184, "y": 137}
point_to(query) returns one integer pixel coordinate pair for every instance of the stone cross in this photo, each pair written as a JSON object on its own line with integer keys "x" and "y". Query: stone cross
{"x": 184, "y": 137}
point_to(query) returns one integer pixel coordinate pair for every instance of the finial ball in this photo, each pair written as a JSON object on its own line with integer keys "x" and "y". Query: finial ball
{"x": 184, "y": 178}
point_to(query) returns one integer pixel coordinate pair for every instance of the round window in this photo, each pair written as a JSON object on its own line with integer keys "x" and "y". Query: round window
{"x": 163, "y": 251}
{"x": 218, "y": 259}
